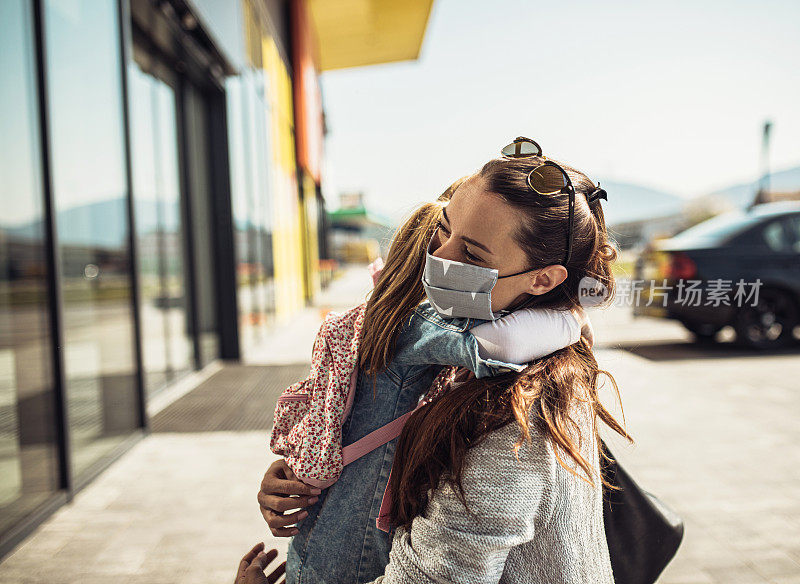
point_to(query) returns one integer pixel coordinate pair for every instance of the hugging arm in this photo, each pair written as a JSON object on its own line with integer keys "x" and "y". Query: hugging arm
{"x": 488, "y": 349}
{"x": 527, "y": 334}
{"x": 428, "y": 339}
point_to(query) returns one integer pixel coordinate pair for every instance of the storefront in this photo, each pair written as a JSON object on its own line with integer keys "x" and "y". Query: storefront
{"x": 117, "y": 240}
{"x": 160, "y": 209}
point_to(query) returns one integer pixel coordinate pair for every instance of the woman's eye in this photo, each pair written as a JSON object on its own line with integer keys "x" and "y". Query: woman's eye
{"x": 445, "y": 232}
{"x": 472, "y": 257}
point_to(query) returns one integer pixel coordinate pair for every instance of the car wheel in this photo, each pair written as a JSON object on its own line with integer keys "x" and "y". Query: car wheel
{"x": 768, "y": 324}
{"x": 703, "y": 332}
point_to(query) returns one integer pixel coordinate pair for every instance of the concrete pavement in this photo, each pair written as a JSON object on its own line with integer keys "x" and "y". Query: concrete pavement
{"x": 717, "y": 437}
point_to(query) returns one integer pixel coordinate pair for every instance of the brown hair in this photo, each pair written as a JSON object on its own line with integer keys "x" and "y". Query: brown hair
{"x": 399, "y": 289}
{"x": 435, "y": 439}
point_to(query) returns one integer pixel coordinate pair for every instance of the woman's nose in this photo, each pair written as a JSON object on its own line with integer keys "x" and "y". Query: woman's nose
{"x": 446, "y": 251}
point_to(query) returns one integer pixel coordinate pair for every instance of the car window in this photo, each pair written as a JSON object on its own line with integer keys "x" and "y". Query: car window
{"x": 793, "y": 232}
{"x": 774, "y": 236}
{"x": 719, "y": 225}
{"x": 712, "y": 231}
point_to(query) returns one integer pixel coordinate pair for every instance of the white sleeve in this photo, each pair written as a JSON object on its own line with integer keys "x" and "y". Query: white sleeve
{"x": 526, "y": 334}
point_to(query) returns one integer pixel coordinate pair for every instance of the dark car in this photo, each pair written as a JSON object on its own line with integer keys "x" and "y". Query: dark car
{"x": 740, "y": 268}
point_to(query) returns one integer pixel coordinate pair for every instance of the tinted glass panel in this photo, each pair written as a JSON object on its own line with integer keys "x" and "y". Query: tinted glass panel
{"x": 717, "y": 228}
{"x": 28, "y": 456}
{"x": 199, "y": 191}
{"x": 774, "y": 236}
{"x": 89, "y": 191}
{"x": 159, "y": 235}
{"x": 250, "y": 162}
{"x": 793, "y": 232}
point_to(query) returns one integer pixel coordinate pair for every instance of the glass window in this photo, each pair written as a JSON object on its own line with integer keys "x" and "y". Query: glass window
{"x": 28, "y": 454}
{"x": 252, "y": 181}
{"x": 166, "y": 347}
{"x": 89, "y": 193}
{"x": 251, "y": 166}
{"x": 793, "y": 232}
{"x": 201, "y": 223}
{"x": 240, "y": 180}
{"x": 773, "y": 236}
{"x": 717, "y": 228}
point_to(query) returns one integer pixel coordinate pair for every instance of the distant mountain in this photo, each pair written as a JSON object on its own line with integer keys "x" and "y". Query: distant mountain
{"x": 742, "y": 194}
{"x": 631, "y": 202}
{"x": 103, "y": 223}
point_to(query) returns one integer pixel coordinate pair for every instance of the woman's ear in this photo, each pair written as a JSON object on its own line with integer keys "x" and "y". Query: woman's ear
{"x": 546, "y": 279}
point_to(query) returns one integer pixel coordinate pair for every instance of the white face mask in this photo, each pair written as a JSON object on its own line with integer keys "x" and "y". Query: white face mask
{"x": 456, "y": 289}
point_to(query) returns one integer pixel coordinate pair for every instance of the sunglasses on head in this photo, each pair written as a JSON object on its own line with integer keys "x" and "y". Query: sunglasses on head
{"x": 550, "y": 179}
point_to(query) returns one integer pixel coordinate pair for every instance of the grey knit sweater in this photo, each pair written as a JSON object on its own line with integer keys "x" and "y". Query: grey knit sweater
{"x": 533, "y": 522}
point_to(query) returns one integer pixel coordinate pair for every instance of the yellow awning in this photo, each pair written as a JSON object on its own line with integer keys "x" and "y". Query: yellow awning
{"x": 353, "y": 33}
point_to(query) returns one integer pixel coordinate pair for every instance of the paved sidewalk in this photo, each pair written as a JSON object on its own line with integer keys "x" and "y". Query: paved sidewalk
{"x": 717, "y": 433}
{"x": 175, "y": 509}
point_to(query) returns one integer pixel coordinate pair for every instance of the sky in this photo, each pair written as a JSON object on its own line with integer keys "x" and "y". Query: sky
{"x": 672, "y": 96}
{"x": 84, "y": 85}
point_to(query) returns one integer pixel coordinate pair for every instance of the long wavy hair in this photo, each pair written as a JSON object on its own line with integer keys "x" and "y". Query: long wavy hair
{"x": 399, "y": 288}
{"x": 434, "y": 442}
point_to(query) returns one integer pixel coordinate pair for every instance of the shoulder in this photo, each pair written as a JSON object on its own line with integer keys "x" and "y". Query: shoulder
{"x": 505, "y": 461}
{"x": 341, "y": 330}
{"x": 349, "y": 317}
{"x": 511, "y": 499}
{"x": 507, "y": 449}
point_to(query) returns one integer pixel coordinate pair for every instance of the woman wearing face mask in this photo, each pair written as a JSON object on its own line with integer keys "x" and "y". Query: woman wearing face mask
{"x": 527, "y": 510}
{"x": 499, "y": 480}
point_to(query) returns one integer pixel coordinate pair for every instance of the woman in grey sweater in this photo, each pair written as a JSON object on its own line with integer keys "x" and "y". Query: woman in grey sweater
{"x": 499, "y": 480}
{"x": 529, "y": 520}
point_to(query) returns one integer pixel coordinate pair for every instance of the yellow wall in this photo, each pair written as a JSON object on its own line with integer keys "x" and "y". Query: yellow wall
{"x": 287, "y": 235}
{"x": 309, "y": 220}
{"x": 294, "y": 236}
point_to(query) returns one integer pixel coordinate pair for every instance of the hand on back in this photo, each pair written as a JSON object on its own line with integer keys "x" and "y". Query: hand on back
{"x": 282, "y": 491}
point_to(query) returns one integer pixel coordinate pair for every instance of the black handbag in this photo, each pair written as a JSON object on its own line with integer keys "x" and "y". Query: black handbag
{"x": 642, "y": 532}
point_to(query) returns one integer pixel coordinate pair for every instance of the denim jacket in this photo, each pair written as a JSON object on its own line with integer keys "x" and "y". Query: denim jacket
{"x": 338, "y": 541}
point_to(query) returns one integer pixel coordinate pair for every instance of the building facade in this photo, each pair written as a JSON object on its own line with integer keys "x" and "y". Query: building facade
{"x": 160, "y": 209}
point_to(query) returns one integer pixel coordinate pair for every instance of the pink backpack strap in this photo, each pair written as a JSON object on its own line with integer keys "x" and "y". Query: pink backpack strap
{"x": 369, "y": 443}
{"x": 375, "y": 269}
{"x": 376, "y": 438}
{"x": 391, "y": 430}
{"x": 382, "y": 521}
{"x": 386, "y": 433}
